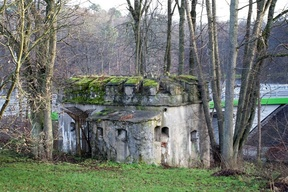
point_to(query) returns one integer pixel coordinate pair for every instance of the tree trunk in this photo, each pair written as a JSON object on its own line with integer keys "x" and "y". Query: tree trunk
{"x": 250, "y": 76}
{"x": 227, "y": 148}
{"x": 181, "y": 57}
{"x": 137, "y": 12}
{"x": 40, "y": 83}
{"x": 167, "y": 57}
{"x": 193, "y": 18}
{"x": 216, "y": 77}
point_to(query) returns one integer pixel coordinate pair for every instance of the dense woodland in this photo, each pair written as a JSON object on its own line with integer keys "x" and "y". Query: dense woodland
{"x": 101, "y": 42}
{"x": 46, "y": 42}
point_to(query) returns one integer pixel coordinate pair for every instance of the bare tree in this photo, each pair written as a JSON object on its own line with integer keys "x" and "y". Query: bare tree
{"x": 256, "y": 43}
{"x": 181, "y": 10}
{"x": 32, "y": 42}
{"x": 167, "y": 57}
{"x": 227, "y": 148}
{"x": 12, "y": 21}
{"x": 232, "y": 135}
{"x": 137, "y": 11}
{"x": 192, "y": 66}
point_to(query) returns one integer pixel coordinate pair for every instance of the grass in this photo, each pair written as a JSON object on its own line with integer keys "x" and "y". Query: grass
{"x": 24, "y": 174}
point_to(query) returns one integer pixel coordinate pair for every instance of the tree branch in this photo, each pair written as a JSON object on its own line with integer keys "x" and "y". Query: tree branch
{"x": 272, "y": 56}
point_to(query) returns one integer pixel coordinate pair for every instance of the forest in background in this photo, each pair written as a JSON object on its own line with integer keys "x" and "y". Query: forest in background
{"x": 101, "y": 42}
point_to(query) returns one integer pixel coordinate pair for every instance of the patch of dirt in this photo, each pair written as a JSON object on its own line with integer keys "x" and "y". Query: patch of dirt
{"x": 227, "y": 172}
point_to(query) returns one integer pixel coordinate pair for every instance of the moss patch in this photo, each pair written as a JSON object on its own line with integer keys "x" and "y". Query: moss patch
{"x": 117, "y": 80}
{"x": 150, "y": 83}
{"x": 81, "y": 89}
{"x": 97, "y": 89}
{"x": 133, "y": 80}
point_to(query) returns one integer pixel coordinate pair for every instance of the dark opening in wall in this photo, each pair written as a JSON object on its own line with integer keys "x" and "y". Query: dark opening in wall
{"x": 165, "y": 131}
{"x": 157, "y": 133}
{"x": 194, "y": 138}
{"x": 122, "y": 135}
{"x": 165, "y": 109}
{"x": 99, "y": 132}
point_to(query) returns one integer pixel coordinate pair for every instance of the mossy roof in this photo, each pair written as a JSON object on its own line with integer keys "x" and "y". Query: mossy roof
{"x": 80, "y": 88}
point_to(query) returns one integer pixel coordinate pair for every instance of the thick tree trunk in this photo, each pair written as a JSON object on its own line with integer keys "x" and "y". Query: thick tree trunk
{"x": 37, "y": 134}
{"x": 227, "y": 148}
{"x": 40, "y": 74}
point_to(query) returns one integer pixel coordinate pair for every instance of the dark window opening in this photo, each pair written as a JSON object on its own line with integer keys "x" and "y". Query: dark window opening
{"x": 165, "y": 131}
{"x": 164, "y": 134}
{"x": 194, "y": 136}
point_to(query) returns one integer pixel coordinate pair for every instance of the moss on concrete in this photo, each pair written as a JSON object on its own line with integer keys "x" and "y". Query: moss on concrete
{"x": 92, "y": 89}
{"x": 134, "y": 80}
{"x": 150, "y": 83}
{"x": 81, "y": 88}
{"x": 97, "y": 87}
{"x": 117, "y": 80}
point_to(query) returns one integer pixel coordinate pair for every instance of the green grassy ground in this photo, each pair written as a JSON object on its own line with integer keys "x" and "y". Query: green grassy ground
{"x": 24, "y": 174}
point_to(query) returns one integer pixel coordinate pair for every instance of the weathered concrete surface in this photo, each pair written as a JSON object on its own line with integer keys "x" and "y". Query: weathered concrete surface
{"x": 113, "y": 90}
{"x": 182, "y": 150}
{"x": 153, "y": 121}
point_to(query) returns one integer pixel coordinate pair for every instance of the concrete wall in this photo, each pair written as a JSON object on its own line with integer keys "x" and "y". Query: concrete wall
{"x": 124, "y": 141}
{"x": 188, "y": 142}
{"x": 66, "y": 134}
{"x": 178, "y": 138}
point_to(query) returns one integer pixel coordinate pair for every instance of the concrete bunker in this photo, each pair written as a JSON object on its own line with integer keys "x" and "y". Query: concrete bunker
{"x": 133, "y": 119}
